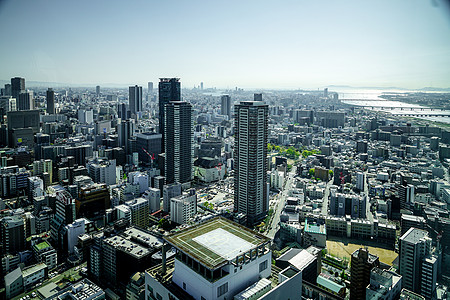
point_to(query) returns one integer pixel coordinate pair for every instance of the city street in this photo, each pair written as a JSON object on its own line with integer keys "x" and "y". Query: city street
{"x": 273, "y": 227}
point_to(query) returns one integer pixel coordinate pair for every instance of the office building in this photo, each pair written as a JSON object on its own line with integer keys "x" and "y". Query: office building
{"x": 179, "y": 134}
{"x": 169, "y": 90}
{"x": 406, "y": 192}
{"x": 125, "y": 130}
{"x": 50, "y": 102}
{"x": 114, "y": 259}
{"x": 17, "y": 86}
{"x": 94, "y": 199}
{"x": 135, "y": 99}
{"x": 7, "y": 103}
{"x": 250, "y": 158}
{"x": 170, "y": 191}
{"x": 148, "y": 146}
{"x": 408, "y": 221}
{"x": 257, "y": 97}
{"x": 150, "y": 87}
{"x": 102, "y": 170}
{"x": 25, "y": 101}
{"x": 225, "y": 108}
{"x": 210, "y": 147}
{"x": 97, "y": 90}
{"x": 362, "y": 262}
{"x": 13, "y": 234}
{"x": 35, "y": 187}
{"x": 417, "y": 266}
{"x": 384, "y": 284}
{"x": 153, "y": 196}
{"x": 360, "y": 181}
{"x": 183, "y": 207}
{"x": 44, "y": 252}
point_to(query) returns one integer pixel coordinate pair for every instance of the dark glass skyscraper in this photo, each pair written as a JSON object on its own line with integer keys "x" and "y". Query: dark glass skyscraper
{"x": 179, "y": 133}
{"x": 50, "y": 101}
{"x": 135, "y": 99}
{"x": 225, "y": 108}
{"x": 250, "y": 159}
{"x": 169, "y": 90}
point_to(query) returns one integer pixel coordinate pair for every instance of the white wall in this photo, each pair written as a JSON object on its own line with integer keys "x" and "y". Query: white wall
{"x": 198, "y": 286}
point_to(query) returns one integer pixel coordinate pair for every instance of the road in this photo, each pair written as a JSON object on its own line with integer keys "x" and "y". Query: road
{"x": 281, "y": 200}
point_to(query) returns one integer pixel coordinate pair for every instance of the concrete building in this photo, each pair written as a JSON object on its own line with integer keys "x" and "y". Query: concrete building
{"x": 183, "y": 207}
{"x": 362, "y": 262}
{"x": 102, "y": 171}
{"x": 45, "y": 253}
{"x": 13, "y": 234}
{"x": 384, "y": 285}
{"x": 314, "y": 234}
{"x": 414, "y": 250}
{"x": 139, "y": 209}
{"x": 250, "y": 159}
{"x": 82, "y": 290}
{"x": 114, "y": 259}
{"x": 409, "y": 221}
{"x": 170, "y": 191}
{"x": 154, "y": 199}
{"x": 216, "y": 259}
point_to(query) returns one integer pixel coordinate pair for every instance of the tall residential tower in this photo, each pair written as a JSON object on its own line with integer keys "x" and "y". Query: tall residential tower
{"x": 250, "y": 156}
{"x": 179, "y": 134}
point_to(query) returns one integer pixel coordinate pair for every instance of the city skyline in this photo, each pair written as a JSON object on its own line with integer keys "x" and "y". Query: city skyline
{"x": 293, "y": 45}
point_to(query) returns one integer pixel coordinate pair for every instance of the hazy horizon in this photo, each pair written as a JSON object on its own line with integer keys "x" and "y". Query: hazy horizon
{"x": 251, "y": 44}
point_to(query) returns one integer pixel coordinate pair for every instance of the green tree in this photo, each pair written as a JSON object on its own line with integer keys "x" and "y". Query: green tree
{"x": 312, "y": 171}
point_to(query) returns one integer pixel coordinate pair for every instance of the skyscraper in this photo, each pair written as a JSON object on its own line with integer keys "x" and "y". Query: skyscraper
{"x": 17, "y": 86}
{"x": 250, "y": 157}
{"x": 50, "y": 101}
{"x": 25, "y": 101}
{"x": 125, "y": 130}
{"x": 150, "y": 87}
{"x": 135, "y": 99}
{"x": 97, "y": 90}
{"x": 257, "y": 97}
{"x": 225, "y": 108}
{"x": 179, "y": 134}
{"x": 169, "y": 90}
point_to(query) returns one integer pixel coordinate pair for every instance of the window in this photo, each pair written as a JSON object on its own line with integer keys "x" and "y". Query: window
{"x": 158, "y": 296}
{"x": 203, "y": 298}
{"x": 221, "y": 290}
{"x": 184, "y": 285}
{"x": 263, "y": 266}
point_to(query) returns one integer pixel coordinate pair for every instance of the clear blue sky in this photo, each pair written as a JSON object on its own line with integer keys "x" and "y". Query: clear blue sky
{"x": 265, "y": 44}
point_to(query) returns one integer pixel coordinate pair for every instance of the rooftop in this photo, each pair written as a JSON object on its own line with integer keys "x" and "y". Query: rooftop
{"x": 33, "y": 269}
{"x": 414, "y": 235}
{"x": 329, "y": 284}
{"x": 315, "y": 228}
{"x": 216, "y": 241}
{"x": 42, "y": 246}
